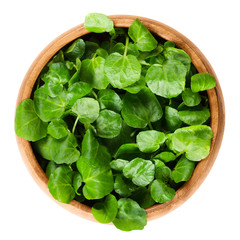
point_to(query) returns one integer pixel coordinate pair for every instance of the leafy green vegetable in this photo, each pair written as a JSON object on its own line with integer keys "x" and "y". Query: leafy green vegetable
{"x": 190, "y": 98}
{"x": 94, "y": 166}
{"x": 140, "y": 171}
{"x": 105, "y": 94}
{"x": 183, "y": 170}
{"x": 202, "y": 81}
{"x": 109, "y": 99}
{"x": 87, "y": 109}
{"x": 195, "y": 141}
{"x": 27, "y": 123}
{"x": 167, "y": 80}
{"x": 108, "y": 124}
{"x": 98, "y": 23}
{"x": 161, "y": 192}
{"x": 60, "y": 184}
{"x": 58, "y": 150}
{"x": 141, "y": 109}
{"x": 141, "y": 36}
{"x": 130, "y": 215}
{"x": 105, "y": 211}
{"x": 57, "y": 128}
{"x": 150, "y": 141}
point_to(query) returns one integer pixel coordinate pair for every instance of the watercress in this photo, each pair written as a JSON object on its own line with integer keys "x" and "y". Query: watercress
{"x": 120, "y": 119}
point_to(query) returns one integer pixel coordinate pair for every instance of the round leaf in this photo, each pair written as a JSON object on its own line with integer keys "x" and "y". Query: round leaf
{"x": 87, "y": 109}
{"x": 108, "y": 124}
{"x": 76, "y": 50}
{"x": 130, "y": 215}
{"x": 140, "y": 171}
{"x": 166, "y": 156}
{"x": 202, "y": 82}
{"x": 173, "y": 120}
{"x": 57, "y": 128}
{"x": 190, "y": 98}
{"x": 150, "y": 141}
{"x": 60, "y": 184}
{"x": 123, "y": 186}
{"x": 118, "y": 164}
{"x": 161, "y": 192}
{"x": 105, "y": 211}
{"x": 27, "y": 123}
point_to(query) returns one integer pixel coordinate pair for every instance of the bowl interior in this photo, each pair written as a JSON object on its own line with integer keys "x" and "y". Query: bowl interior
{"x": 216, "y": 103}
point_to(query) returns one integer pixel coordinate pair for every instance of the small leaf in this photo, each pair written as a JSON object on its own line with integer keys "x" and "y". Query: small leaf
{"x": 76, "y": 50}
{"x": 50, "y": 168}
{"x": 163, "y": 173}
{"x": 123, "y": 186}
{"x": 60, "y": 184}
{"x": 166, "y": 156}
{"x": 77, "y": 182}
{"x": 106, "y": 210}
{"x": 128, "y": 151}
{"x": 150, "y": 141}
{"x": 202, "y": 82}
{"x": 57, "y": 128}
{"x": 118, "y": 164}
{"x": 140, "y": 171}
{"x": 87, "y": 109}
{"x": 141, "y": 36}
{"x": 183, "y": 170}
{"x": 98, "y": 23}
{"x": 130, "y": 215}
{"x": 161, "y": 192}
{"x": 27, "y": 123}
{"x": 190, "y": 98}
{"x": 108, "y": 124}
{"x": 143, "y": 197}
{"x": 173, "y": 120}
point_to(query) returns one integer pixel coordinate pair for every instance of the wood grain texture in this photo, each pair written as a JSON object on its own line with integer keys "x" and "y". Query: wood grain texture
{"x": 215, "y": 99}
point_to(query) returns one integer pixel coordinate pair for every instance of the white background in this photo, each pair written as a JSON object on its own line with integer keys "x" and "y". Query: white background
{"x": 27, "y": 27}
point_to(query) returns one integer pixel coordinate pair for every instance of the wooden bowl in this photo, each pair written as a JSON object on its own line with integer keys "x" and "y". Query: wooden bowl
{"x": 215, "y": 99}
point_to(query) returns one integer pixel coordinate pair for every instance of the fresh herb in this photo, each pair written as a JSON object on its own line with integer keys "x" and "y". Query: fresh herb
{"x": 115, "y": 122}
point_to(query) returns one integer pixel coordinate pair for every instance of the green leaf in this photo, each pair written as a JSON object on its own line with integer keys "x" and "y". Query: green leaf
{"x": 123, "y": 186}
{"x": 190, "y": 98}
{"x": 98, "y": 23}
{"x": 102, "y": 53}
{"x": 137, "y": 86}
{"x": 60, "y": 184}
{"x": 122, "y": 71}
{"x": 140, "y": 171}
{"x": 173, "y": 120}
{"x": 46, "y": 107}
{"x": 163, "y": 173}
{"x": 150, "y": 140}
{"x": 95, "y": 168}
{"x": 166, "y": 156}
{"x": 183, "y": 170}
{"x": 140, "y": 109}
{"x": 109, "y": 99}
{"x": 58, "y": 150}
{"x": 141, "y": 36}
{"x": 76, "y": 91}
{"x": 57, "y": 128}
{"x": 171, "y": 53}
{"x": 202, "y": 82}
{"x": 128, "y": 151}
{"x": 87, "y": 109}
{"x": 143, "y": 197}
{"x": 75, "y": 50}
{"x": 169, "y": 44}
{"x": 90, "y": 49}
{"x": 27, "y": 123}
{"x": 50, "y": 168}
{"x": 195, "y": 141}
{"x": 77, "y": 182}
{"x": 130, "y": 215}
{"x": 167, "y": 80}
{"x": 196, "y": 116}
{"x": 108, "y": 124}
{"x": 161, "y": 192}
{"x": 118, "y": 164}
{"x": 54, "y": 79}
{"x": 106, "y": 210}
{"x": 92, "y": 72}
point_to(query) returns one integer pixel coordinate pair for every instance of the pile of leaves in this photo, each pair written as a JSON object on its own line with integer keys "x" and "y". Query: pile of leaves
{"x": 118, "y": 120}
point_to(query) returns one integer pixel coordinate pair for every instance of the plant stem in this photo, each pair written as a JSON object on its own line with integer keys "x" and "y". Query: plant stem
{"x": 94, "y": 94}
{"x": 75, "y": 124}
{"x": 150, "y": 125}
{"x": 126, "y": 46}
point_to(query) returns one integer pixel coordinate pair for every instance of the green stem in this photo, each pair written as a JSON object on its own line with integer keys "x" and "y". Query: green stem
{"x": 150, "y": 125}
{"x": 95, "y": 95}
{"x": 126, "y": 46}
{"x": 75, "y": 124}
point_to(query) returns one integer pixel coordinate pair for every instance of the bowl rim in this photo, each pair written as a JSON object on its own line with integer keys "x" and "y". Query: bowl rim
{"x": 216, "y": 101}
